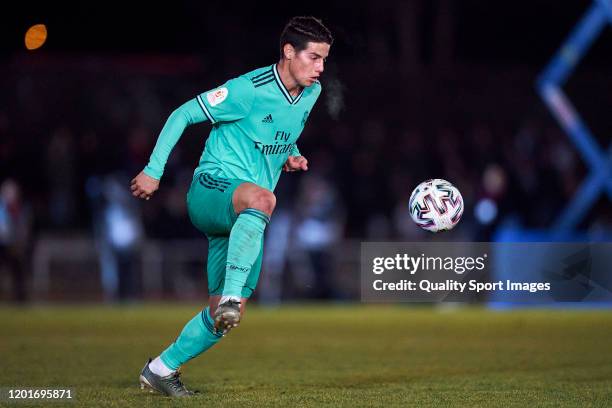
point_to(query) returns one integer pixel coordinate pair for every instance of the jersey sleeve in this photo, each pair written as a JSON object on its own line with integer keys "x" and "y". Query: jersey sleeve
{"x": 187, "y": 114}
{"x": 229, "y": 102}
{"x": 294, "y": 150}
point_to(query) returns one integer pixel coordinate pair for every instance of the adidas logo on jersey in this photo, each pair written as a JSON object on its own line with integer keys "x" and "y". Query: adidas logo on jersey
{"x": 268, "y": 119}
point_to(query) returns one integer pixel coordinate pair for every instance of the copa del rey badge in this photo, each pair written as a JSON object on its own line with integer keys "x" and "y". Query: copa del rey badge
{"x": 217, "y": 96}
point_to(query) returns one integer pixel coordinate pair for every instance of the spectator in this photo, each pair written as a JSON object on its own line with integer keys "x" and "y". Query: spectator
{"x": 15, "y": 235}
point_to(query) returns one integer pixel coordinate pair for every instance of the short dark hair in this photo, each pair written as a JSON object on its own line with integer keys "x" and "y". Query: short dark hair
{"x": 303, "y": 29}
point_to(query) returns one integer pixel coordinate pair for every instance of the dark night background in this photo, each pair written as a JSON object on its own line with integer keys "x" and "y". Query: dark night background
{"x": 93, "y": 281}
{"x": 412, "y": 90}
{"x": 526, "y": 32}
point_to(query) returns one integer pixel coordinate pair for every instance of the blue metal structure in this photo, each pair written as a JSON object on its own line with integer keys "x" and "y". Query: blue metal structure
{"x": 599, "y": 180}
{"x": 549, "y": 85}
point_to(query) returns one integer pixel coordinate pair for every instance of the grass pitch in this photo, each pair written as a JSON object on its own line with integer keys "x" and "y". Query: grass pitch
{"x": 318, "y": 356}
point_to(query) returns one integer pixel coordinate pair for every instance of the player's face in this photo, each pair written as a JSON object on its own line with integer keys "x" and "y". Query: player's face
{"x": 308, "y": 65}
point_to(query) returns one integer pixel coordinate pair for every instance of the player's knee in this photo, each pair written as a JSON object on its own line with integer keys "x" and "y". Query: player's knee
{"x": 263, "y": 200}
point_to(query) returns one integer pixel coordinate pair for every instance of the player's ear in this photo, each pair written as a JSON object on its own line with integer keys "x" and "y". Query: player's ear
{"x": 288, "y": 51}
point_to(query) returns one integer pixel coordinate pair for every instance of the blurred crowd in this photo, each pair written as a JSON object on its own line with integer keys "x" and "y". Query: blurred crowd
{"x": 63, "y": 134}
{"x": 73, "y": 137}
{"x": 398, "y": 107}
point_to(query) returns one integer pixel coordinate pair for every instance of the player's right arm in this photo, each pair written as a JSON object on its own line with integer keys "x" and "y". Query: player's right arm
{"x": 187, "y": 114}
{"x": 147, "y": 181}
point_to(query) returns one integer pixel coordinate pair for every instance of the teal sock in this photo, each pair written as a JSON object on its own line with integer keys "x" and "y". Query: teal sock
{"x": 243, "y": 249}
{"x": 198, "y": 335}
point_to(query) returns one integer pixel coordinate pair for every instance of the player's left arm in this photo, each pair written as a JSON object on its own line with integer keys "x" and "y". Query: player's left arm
{"x": 295, "y": 163}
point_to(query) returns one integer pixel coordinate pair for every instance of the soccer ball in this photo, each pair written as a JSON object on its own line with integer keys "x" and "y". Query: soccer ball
{"x": 436, "y": 205}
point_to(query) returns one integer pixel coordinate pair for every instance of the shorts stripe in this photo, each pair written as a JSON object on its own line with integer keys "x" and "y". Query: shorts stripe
{"x": 212, "y": 183}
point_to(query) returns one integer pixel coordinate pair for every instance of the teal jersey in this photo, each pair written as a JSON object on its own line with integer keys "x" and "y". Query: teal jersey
{"x": 256, "y": 125}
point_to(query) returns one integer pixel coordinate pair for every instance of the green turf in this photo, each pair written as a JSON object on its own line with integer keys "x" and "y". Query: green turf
{"x": 320, "y": 356}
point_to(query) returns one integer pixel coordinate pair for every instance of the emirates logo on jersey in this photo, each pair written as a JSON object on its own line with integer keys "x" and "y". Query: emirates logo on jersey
{"x": 276, "y": 148}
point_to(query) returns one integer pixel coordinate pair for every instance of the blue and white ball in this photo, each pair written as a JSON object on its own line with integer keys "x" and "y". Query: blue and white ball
{"x": 436, "y": 205}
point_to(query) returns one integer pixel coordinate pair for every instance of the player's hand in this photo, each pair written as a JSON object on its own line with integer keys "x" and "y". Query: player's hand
{"x": 295, "y": 163}
{"x": 144, "y": 186}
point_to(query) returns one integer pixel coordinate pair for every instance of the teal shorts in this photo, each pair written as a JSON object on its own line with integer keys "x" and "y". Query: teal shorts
{"x": 210, "y": 207}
